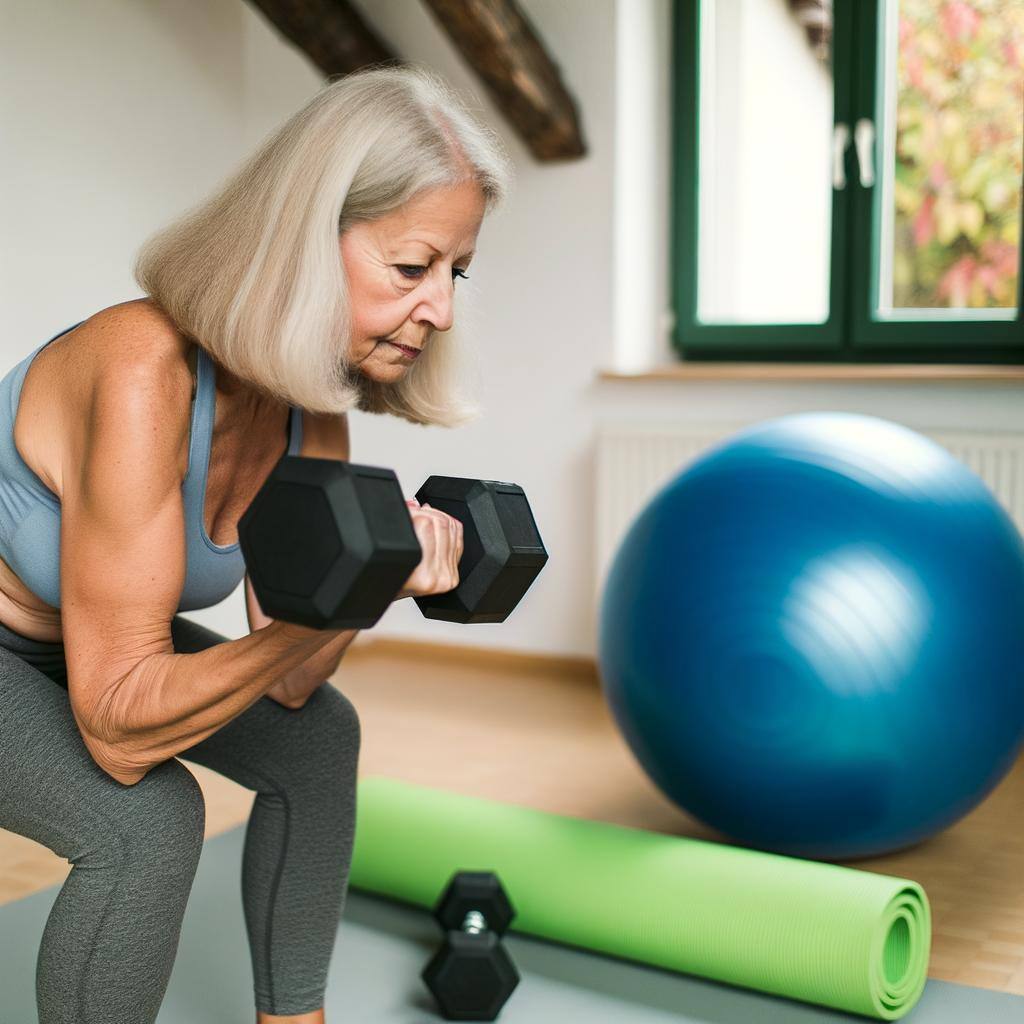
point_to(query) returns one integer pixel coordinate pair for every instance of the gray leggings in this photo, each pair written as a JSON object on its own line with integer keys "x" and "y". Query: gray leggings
{"x": 112, "y": 935}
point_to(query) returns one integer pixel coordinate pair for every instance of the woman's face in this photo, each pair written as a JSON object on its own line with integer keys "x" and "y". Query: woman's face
{"x": 401, "y": 272}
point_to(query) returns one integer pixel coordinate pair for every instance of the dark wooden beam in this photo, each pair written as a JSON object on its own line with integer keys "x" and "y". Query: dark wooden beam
{"x": 330, "y": 32}
{"x": 505, "y": 51}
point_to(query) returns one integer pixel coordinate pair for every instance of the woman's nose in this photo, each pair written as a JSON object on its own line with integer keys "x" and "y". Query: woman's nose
{"x": 437, "y": 307}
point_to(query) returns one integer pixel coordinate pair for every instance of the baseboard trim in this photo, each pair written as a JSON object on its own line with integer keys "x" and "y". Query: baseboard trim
{"x": 486, "y": 657}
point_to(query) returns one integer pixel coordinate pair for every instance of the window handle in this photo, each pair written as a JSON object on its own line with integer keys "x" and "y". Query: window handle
{"x": 864, "y": 140}
{"x": 840, "y": 142}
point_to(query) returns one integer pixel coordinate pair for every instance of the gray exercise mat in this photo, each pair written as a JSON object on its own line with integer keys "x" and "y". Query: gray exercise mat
{"x": 382, "y": 947}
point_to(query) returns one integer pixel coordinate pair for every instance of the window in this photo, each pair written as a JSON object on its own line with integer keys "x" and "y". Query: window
{"x": 848, "y": 180}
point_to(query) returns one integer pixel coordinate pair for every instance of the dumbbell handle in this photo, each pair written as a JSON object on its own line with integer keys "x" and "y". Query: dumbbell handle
{"x": 474, "y": 923}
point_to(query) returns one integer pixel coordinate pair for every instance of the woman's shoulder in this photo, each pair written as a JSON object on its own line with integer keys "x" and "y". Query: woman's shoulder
{"x": 121, "y": 356}
{"x": 129, "y": 346}
{"x": 133, "y": 337}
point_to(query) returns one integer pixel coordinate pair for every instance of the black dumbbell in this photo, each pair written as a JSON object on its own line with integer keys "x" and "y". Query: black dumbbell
{"x": 329, "y": 544}
{"x": 471, "y": 976}
{"x": 502, "y": 552}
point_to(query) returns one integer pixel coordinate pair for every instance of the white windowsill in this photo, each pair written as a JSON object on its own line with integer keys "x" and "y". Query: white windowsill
{"x": 914, "y": 372}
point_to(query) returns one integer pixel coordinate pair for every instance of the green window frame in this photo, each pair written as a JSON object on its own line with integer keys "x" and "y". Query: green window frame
{"x": 851, "y": 334}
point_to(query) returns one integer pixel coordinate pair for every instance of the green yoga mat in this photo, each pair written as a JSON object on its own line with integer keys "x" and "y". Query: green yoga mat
{"x": 816, "y": 932}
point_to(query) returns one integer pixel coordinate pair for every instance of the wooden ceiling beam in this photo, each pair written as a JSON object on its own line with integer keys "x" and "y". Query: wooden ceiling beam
{"x": 503, "y": 48}
{"x": 331, "y": 32}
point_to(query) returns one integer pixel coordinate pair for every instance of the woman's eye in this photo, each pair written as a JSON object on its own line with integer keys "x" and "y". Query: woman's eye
{"x": 414, "y": 271}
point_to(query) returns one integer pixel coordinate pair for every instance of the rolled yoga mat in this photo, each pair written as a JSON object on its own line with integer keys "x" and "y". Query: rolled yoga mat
{"x": 816, "y": 932}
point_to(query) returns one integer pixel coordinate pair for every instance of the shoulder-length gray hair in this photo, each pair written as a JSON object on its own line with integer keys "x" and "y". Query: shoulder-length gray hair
{"x": 254, "y": 274}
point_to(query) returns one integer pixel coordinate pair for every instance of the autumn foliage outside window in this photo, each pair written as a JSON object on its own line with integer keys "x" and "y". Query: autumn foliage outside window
{"x": 959, "y": 153}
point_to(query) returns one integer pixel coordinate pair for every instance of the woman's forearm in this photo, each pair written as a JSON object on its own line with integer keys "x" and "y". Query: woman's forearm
{"x": 293, "y": 689}
{"x": 169, "y": 702}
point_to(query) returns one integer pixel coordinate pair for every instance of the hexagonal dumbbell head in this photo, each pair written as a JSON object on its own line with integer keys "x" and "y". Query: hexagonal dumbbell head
{"x": 328, "y": 544}
{"x": 502, "y": 549}
{"x": 471, "y": 976}
{"x": 474, "y": 890}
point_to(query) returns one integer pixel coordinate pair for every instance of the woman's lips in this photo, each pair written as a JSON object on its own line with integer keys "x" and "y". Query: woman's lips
{"x": 409, "y": 353}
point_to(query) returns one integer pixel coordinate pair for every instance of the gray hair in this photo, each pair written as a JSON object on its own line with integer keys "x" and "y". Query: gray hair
{"x": 254, "y": 274}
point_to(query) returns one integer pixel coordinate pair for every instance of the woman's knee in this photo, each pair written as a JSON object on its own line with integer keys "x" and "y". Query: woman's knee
{"x": 74, "y": 808}
{"x": 334, "y": 718}
{"x": 326, "y": 739}
{"x": 162, "y": 818}
{"x": 342, "y": 721}
{"x": 159, "y": 821}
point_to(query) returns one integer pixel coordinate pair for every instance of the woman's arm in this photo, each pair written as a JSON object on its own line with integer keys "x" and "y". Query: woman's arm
{"x": 123, "y": 562}
{"x": 439, "y": 536}
{"x": 293, "y": 689}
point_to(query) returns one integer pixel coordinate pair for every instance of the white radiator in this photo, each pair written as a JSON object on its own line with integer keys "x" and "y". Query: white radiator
{"x": 635, "y": 459}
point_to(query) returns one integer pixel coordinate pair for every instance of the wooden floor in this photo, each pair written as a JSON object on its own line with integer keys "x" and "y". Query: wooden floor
{"x": 537, "y": 733}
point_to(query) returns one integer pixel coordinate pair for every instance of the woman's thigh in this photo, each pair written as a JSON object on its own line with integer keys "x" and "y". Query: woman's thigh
{"x": 52, "y": 791}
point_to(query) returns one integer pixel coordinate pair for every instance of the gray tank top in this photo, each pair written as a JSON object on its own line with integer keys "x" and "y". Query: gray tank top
{"x": 30, "y": 511}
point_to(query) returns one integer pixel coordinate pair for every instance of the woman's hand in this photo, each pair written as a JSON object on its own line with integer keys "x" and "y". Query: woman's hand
{"x": 440, "y": 537}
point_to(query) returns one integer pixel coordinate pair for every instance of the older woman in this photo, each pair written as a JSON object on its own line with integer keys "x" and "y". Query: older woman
{"x": 318, "y": 279}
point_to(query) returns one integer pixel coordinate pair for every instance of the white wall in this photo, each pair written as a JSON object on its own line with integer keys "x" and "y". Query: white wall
{"x": 118, "y": 113}
{"x": 114, "y": 116}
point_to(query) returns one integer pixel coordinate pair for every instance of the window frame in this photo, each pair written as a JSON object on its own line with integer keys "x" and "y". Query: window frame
{"x": 850, "y": 334}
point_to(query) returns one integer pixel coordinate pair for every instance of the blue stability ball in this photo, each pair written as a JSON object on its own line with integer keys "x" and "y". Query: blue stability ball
{"x": 813, "y": 638}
